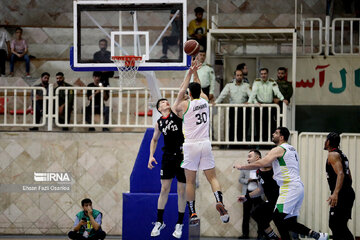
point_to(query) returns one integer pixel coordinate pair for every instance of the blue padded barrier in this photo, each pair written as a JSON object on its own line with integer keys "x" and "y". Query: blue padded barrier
{"x": 140, "y": 210}
{"x": 142, "y": 179}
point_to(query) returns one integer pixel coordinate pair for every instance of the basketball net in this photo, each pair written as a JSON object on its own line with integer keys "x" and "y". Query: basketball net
{"x": 128, "y": 67}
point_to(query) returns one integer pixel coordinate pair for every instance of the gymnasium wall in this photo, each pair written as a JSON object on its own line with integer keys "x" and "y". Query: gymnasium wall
{"x": 100, "y": 165}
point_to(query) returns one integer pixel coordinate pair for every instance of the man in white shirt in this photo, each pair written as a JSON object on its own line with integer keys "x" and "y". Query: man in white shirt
{"x": 4, "y": 49}
{"x": 238, "y": 92}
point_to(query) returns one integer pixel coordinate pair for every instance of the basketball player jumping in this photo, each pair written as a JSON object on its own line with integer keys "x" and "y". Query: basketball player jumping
{"x": 284, "y": 160}
{"x": 197, "y": 146}
{"x": 342, "y": 194}
{"x": 170, "y": 125}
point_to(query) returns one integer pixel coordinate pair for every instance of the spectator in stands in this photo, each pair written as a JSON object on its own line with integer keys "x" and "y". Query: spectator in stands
{"x": 19, "y": 50}
{"x": 104, "y": 56}
{"x": 60, "y": 80}
{"x": 87, "y": 223}
{"x": 198, "y": 27}
{"x": 238, "y": 92}
{"x": 174, "y": 38}
{"x": 5, "y": 49}
{"x": 285, "y": 87}
{"x": 38, "y": 104}
{"x": 96, "y": 96}
{"x": 206, "y": 75}
{"x": 244, "y": 69}
{"x": 263, "y": 90}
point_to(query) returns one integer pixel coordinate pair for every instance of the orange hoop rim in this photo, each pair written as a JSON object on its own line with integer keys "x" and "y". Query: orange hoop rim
{"x": 127, "y": 58}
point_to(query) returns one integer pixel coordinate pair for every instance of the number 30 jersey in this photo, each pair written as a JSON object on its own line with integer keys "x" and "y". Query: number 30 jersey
{"x": 196, "y": 120}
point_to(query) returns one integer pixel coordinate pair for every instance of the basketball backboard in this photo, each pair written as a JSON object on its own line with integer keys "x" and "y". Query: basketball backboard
{"x": 153, "y": 29}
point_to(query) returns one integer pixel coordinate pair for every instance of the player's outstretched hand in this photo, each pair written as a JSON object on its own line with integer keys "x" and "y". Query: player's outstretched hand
{"x": 237, "y": 166}
{"x": 150, "y": 163}
{"x": 242, "y": 199}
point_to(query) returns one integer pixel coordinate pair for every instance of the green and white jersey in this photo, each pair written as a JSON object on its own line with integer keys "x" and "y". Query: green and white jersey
{"x": 286, "y": 168}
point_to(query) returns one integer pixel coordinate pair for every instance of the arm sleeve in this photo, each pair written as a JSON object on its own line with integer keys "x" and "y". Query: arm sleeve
{"x": 25, "y": 44}
{"x": 76, "y": 222}
{"x": 277, "y": 92}
{"x": 98, "y": 219}
{"x": 243, "y": 180}
{"x": 224, "y": 93}
{"x": 290, "y": 92}
{"x": 248, "y": 91}
{"x": 252, "y": 98}
{"x": 212, "y": 80}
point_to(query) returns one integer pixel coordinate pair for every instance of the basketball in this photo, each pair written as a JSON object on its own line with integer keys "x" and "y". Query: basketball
{"x": 191, "y": 47}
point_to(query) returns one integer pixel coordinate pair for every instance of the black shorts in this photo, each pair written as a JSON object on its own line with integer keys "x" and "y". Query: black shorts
{"x": 344, "y": 206}
{"x": 170, "y": 167}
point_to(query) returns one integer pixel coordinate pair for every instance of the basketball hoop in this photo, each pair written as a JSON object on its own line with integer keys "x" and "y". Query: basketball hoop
{"x": 128, "y": 67}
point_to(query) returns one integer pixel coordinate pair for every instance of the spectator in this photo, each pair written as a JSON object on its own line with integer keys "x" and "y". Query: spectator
{"x": 244, "y": 69}
{"x": 285, "y": 87}
{"x": 262, "y": 92}
{"x": 238, "y": 93}
{"x": 104, "y": 56}
{"x": 19, "y": 50}
{"x": 174, "y": 38}
{"x": 5, "y": 49}
{"x": 206, "y": 75}
{"x": 96, "y": 96}
{"x": 62, "y": 98}
{"x": 38, "y": 106}
{"x": 249, "y": 181}
{"x": 87, "y": 223}
{"x": 198, "y": 27}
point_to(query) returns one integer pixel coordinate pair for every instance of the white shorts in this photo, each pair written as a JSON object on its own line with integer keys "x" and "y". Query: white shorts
{"x": 290, "y": 198}
{"x": 198, "y": 155}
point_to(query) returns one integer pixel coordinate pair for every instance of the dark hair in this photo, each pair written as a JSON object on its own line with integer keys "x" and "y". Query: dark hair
{"x": 238, "y": 70}
{"x": 195, "y": 89}
{"x": 97, "y": 74}
{"x": 158, "y": 102}
{"x": 44, "y": 74}
{"x": 240, "y": 66}
{"x": 282, "y": 69}
{"x": 84, "y": 201}
{"x": 60, "y": 74}
{"x": 103, "y": 40}
{"x": 334, "y": 139}
{"x": 284, "y": 132}
{"x": 18, "y": 28}
{"x": 262, "y": 69}
{"x": 199, "y": 10}
{"x": 257, "y": 152}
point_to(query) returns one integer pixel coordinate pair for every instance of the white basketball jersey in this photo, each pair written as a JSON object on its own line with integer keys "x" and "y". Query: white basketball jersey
{"x": 286, "y": 168}
{"x": 196, "y": 120}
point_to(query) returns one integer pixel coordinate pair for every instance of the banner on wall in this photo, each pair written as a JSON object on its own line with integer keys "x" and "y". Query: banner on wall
{"x": 330, "y": 81}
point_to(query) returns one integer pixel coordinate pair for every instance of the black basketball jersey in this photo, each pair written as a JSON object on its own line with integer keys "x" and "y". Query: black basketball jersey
{"x": 271, "y": 189}
{"x": 171, "y": 128}
{"x": 332, "y": 176}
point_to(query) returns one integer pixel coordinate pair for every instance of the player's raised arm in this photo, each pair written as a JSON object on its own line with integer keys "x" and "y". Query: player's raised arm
{"x": 196, "y": 79}
{"x": 181, "y": 98}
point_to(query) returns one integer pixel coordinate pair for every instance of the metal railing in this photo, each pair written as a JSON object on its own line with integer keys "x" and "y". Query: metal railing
{"x": 348, "y": 36}
{"x": 342, "y": 35}
{"x": 17, "y": 104}
{"x": 129, "y": 108}
{"x": 257, "y": 123}
{"x": 309, "y": 45}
